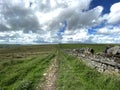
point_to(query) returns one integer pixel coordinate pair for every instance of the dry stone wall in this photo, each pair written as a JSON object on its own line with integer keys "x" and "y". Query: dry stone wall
{"x": 101, "y": 63}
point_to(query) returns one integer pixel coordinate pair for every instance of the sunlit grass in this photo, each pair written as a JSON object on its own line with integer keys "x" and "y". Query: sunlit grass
{"x": 26, "y": 73}
{"x": 75, "y": 75}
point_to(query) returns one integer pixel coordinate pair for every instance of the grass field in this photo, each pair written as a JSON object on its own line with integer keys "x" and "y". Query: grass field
{"x": 22, "y": 68}
{"x": 75, "y": 75}
{"x": 24, "y": 73}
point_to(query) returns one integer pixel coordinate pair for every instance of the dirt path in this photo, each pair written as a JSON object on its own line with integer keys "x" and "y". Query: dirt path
{"x": 51, "y": 76}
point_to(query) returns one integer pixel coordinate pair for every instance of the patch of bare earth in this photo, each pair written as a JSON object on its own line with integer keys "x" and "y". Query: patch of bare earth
{"x": 51, "y": 76}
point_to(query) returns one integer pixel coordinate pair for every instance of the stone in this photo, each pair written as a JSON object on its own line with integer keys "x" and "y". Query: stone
{"x": 117, "y": 70}
{"x": 110, "y": 68}
{"x": 100, "y": 70}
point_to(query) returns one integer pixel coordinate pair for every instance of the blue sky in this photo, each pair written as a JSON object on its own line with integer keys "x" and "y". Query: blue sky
{"x": 59, "y": 21}
{"x": 105, "y": 3}
{"x": 62, "y": 28}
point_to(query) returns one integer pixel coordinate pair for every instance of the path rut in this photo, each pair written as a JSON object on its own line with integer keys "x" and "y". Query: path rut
{"x": 51, "y": 76}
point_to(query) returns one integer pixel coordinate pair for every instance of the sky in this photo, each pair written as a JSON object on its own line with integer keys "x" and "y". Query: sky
{"x": 59, "y": 21}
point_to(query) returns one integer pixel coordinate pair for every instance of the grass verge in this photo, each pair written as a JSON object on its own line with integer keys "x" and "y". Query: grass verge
{"x": 75, "y": 75}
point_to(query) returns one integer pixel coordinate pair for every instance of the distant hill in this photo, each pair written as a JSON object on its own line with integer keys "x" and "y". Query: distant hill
{"x": 9, "y": 45}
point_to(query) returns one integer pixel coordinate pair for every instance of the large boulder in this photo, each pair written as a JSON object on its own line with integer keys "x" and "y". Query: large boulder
{"x": 83, "y": 51}
{"x": 113, "y": 50}
{"x": 79, "y": 51}
{"x": 106, "y": 48}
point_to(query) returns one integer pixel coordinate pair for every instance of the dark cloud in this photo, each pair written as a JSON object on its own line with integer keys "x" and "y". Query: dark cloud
{"x": 78, "y": 19}
{"x": 20, "y": 19}
{"x": 3, "y": 27}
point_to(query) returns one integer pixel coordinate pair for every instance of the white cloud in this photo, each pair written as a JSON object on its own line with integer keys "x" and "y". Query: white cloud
{"x": 109, "y": 30}
{"x": 18, "y": 18}
{"x": 105, "y": 39}
{"x": 77, "y": 19}
{"x": 44, "y": 19}
{"x": 107, "y": 34}
{"x": 114, "y": 16}
{"x": 80, "y": 35}
{"x": 39, "y": 21}
{"x": 69, "y": 10}
{"x": 17, "y": 37}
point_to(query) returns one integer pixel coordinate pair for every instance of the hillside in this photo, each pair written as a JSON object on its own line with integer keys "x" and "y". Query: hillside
{"x": 47, "y": 67}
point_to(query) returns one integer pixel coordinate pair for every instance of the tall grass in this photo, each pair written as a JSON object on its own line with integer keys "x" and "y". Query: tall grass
{"x": 24, "y": 75}
{"x": 75, "y": 75}
{"x": 27, "y": 72}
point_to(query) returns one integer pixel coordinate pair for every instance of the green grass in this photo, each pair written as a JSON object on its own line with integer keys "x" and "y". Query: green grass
{"x": 26, "y": 72}
{"x": 24, "y": 75}
{"x": 96, "y": 47}
{"x": 27, "y": 49}
{"x": 75, "y": 75}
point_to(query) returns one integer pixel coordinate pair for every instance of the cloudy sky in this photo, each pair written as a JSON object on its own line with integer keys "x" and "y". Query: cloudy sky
{"x": 59, "y": 21}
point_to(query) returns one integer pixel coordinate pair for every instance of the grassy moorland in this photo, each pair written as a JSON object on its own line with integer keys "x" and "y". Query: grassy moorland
{"x": 75, "y": 75}
{"x": 22, "y": 68}
{"x": 96, "y": 47}
{"x": 26, "y": 71}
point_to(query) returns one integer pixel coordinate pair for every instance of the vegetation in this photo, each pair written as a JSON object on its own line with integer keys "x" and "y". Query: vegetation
{"x": 24, "y": 73}
{"x": 96, "y": 47}
{"x": 22, "y": 68}
{"x": 75, "y": 75}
